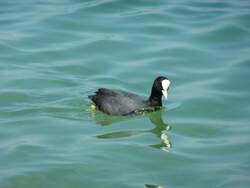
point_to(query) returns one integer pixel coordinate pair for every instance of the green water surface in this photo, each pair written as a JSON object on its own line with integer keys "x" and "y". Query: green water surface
{"x": 53, "y": 53}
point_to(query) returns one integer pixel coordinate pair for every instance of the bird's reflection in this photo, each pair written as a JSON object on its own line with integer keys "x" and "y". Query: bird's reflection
{"x": 160, "y": 129}
{"x": 153, "y": 186}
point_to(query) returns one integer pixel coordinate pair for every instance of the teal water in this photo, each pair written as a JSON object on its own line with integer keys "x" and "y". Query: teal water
{"x": 54, "y": 53}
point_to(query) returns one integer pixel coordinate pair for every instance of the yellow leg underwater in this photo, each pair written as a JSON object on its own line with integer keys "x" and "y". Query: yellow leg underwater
{"x": 93, "y": 107}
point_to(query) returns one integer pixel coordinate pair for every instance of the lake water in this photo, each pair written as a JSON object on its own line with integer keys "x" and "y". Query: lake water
{"x": 55, "y": 53}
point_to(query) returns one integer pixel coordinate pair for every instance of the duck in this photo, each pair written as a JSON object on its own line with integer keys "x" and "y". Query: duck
{"x": 122, "y": 103}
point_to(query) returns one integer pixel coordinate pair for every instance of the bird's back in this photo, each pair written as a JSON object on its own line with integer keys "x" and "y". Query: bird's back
{"x": 116, "y": 102}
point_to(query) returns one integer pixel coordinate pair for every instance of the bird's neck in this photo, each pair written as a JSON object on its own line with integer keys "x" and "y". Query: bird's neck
{"x": 155, "y": 98}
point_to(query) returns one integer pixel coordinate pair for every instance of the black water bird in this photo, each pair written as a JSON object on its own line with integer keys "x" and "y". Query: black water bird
{"x": 117, "y": 102}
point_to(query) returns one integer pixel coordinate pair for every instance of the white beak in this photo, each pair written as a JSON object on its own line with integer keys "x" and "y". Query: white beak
{"x": 165, "y": 86}
{"x": 165, "y": 93}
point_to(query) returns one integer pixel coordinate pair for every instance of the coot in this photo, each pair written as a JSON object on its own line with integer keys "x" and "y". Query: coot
{"x": 117, "y": 102}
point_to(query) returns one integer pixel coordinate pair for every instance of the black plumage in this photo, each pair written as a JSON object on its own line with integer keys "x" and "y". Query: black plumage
{"x": 117, "y": 102}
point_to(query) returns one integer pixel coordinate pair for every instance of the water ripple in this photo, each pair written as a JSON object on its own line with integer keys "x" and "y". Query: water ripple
{"x": 55, "y": 53}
